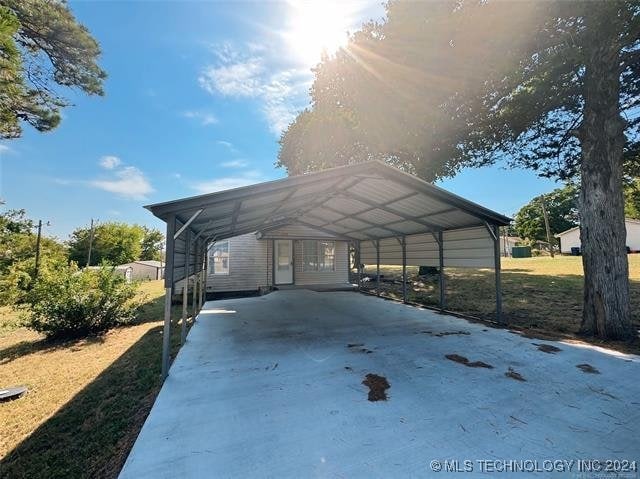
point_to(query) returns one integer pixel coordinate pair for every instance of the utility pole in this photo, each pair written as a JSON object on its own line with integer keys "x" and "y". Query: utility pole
{"x": 35, "y": 274}
{"x": 505, "y": 239}
{"x": 90, "y": 244}
{"x": 38, "y": 241}
{"x": 546, "y": 225}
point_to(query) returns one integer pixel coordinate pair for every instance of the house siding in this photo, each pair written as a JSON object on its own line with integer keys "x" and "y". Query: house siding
{"x": 248, "y": 266}
{"x": 571, "y": 238}
{"x": 251, "y": 264}
{"x": 463, "y": 248}
{"x": 144, "y": 271}
{"x": 296, "y": 232}
{"x": 339, "y": 276}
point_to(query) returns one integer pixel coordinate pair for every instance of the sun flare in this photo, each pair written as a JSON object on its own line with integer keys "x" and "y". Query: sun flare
{"x": 316, "y": 27}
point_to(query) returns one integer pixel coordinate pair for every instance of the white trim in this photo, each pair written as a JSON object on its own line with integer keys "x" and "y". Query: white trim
{"x": 210, "y": 263}
{"x": 626, "y": 220}
{"x": 276, "y": 253}
{"x": 318, "y": 270}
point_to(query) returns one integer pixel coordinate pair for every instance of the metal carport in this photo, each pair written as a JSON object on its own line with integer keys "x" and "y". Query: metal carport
{"x": 389, "y": 216}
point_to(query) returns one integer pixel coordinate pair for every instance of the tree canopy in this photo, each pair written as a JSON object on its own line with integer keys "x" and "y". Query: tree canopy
{"x": 632, "y": 199}
{"x": 115, "y": 243}
{"x": 562, "y": 208}
{"x": 17, "y": 255}
{"x": 549, "y": 86}
{"x": 152, "y": 243}
{"x": 439, "y": 86}
{"x": 42, "y": 48}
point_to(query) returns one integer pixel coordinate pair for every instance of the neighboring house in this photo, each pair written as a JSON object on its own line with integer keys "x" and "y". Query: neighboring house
{"x": 123, "y": 270}
{"x": 303, "y": 256}
{"x": 150, "y": 270}
{"x": 571, "y": 238}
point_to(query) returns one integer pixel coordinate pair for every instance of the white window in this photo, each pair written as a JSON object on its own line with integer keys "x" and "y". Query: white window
{"x": 318, "y": 255}
{"x": 219, "y": 258}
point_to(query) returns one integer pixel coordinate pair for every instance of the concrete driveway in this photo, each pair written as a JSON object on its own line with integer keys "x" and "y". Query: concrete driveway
{"x": 271, "y": 386}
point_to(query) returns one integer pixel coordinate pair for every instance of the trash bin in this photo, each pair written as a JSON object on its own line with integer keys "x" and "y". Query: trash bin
{"x": 521, "y": 252}
{"x": 575, "y": 251}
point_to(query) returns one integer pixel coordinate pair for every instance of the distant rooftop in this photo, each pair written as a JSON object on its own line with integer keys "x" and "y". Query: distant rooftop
{"x": 154, "y": 263}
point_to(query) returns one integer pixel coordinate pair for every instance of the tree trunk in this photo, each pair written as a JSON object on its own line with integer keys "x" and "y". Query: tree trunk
{"x": 603, "y": 235}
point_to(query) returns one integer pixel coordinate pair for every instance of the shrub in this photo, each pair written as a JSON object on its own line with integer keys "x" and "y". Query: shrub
{"x": 69, "y": 303}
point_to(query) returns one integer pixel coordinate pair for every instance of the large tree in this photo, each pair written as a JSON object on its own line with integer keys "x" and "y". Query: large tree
{"x": 569, "y": 108}
{"x": 152, "y": 243}
{"x": 112, "y": 243}
{"x": 562, "y": 208}
{"x": 18, "y": 244}
{"x": 551, "y": 86}
{"x": 42, "y": 48}
{"x": 632, "y": 199}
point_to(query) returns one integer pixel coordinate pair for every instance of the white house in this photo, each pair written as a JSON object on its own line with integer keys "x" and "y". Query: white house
{"x": 571, "y": 238}
{"x": 292, "y": 254}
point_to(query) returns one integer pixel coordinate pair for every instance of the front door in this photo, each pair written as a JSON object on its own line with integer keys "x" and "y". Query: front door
{"x": 283, "y": 261}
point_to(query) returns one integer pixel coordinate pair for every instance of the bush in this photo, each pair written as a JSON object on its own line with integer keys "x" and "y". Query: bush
{"x": 69, "y": 303}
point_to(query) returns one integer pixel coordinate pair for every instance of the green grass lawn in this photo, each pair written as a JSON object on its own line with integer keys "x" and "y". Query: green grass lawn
{"x": 87, "y": 399}
{"x": 542, "y": 295}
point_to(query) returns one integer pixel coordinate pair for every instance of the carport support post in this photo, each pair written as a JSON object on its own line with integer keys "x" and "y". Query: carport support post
{"x": 201, "y": 295}
{"x": 404, "y": 269}
{"x": 194, "y": 291}
{"x": 199, "y": 300}
{"x": 185, "y": 288}
{"x": 203, "y": 291}
{"x": 378, "y": 267}
{"x": 443, "y": 296}
{"x": 168, "y": 288}
{"x": 198, "y": 289}
{"x": 358, "y": 265}
{"x": 198, "y": 281}
{"x": 204, "y": 273}
{"x": 497, "y": 268}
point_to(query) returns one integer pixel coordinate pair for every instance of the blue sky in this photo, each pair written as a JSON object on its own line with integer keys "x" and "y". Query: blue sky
{"x": 197, "y": 95}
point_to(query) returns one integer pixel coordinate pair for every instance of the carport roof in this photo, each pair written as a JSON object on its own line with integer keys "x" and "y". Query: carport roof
{"x": 364, "y": 201}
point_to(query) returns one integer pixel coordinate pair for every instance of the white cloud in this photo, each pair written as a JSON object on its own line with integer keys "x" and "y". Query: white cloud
{"x": 225, "y": 52}
{"x": 4, "y": 148}
{"x": 128, "y": 182}
{"x": 204, "y": 118}
{"x": 228, "y": 145}
{"x": 110, "y": 162}
{"x": 238, "y": 79}
{"x": 256, "y": 47}
{"x": 63, "y": 181}
{"x": 284, "y": 97}
{"x": 282, "y": 92}
{"x": 228, "y": 182}
{"x": 234, "y": 164}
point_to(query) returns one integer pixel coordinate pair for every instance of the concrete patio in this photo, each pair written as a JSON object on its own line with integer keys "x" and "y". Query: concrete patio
{"x": 271, "y": 386}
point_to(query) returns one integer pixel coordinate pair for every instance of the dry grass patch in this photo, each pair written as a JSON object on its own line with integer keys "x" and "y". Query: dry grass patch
{"x": 541, "y": 296}
{"x": 10, "y": 320}
{"x": 87, "y": 399}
